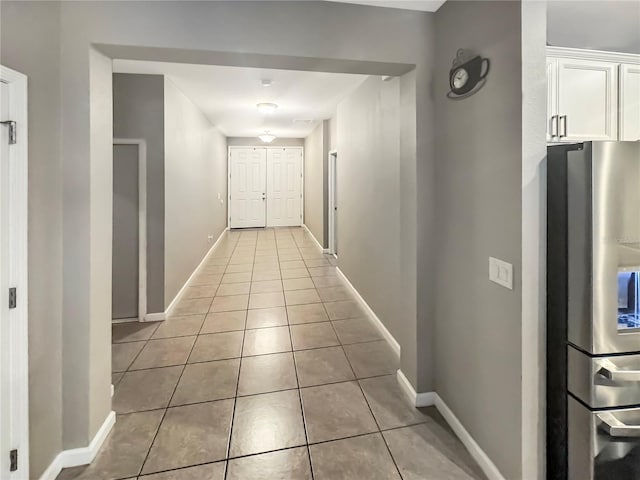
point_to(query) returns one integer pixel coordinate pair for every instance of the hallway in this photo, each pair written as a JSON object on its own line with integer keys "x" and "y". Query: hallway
{"x": 268, "y": 369}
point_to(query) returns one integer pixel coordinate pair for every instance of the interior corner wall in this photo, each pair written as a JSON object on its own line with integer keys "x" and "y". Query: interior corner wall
{"x": 478, "y": 334}
{"x": 35, "y": 53}
{"x": 256, "y": 142}
{"x": 195, "y": 187}
{"x": 369, "y": 193}
{"x": 138, "y": 112}
{"x": 315, "y": 181}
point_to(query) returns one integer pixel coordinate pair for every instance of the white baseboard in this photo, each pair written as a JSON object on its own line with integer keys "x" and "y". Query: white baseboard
{"x": 423, "y": 399}
{"x": 322, "y": 249}
{"x": 393, "y": 343}
{"x": 155, "y": 317}
{"x": 483, "y": 460}
{"x": 80, "y": 456}
{"x": 176, "y": 299}
{"x": 428, "y": 399}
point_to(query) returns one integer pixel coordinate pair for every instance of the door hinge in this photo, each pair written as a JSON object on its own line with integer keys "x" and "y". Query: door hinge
{"x": 13, "y": 297}
{"x": 13, "y": 460}
{"x": 12, "y": 130}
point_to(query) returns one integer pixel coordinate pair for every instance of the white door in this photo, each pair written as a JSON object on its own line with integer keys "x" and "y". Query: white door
{"x": 248, "y": 170}
{"x": 587, "y": 100}
{"x": 284, "y": 187}
{"x": 630, "y": 103}
{"x": 14, "y": 418}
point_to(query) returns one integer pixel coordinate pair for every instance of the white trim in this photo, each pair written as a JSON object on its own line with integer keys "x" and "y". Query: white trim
{"x": 313, "y": 237}
{"x": 115, "y": 321}
{"x": 597, "y": 55}
{"x": 393, "y": 343}
{"x": 428, "y": 399}
{"x": 142, "y": 221}
{"x": 80, "y": 456}
{"x": 155, "y": 317}
{"x": 178, "y": 296}
{"x": 333, "y": 182}
{"x": 533, "y": 286}
{"x": 483, "y": 460}
{"x": 423, "y": 399}
{"x": 16, "y": 325}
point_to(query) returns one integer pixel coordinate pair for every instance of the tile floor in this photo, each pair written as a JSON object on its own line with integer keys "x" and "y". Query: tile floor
{"x": 268, "y": 370}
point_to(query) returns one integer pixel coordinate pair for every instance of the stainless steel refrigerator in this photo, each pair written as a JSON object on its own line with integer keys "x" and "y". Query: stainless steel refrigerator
{"x": 593, "y": 311}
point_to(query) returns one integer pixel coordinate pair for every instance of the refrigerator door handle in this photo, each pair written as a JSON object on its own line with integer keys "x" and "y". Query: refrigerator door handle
{"x": 609, "y": 370}
{"x": 615, "y": 428}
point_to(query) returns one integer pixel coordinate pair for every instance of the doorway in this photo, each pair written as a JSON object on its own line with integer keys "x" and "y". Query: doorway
{"x": 333, "y": 203}
{"x": 265, "y": 187}
{"x": 129, "y": 271}
{"x": 14, "y": 387}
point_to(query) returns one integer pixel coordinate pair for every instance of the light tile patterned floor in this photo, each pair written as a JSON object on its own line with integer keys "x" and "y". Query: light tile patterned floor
{"x": 268, "y": 370}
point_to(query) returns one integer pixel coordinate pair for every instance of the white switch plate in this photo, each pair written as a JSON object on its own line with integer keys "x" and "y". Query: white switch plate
{"x": 501, "y": 273}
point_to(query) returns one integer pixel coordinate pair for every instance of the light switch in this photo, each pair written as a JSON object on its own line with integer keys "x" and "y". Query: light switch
{"x": 501, "y": 273}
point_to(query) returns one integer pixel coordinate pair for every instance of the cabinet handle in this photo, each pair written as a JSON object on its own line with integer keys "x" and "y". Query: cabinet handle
{"x": 563, "y": 126}
{"x": 554, "y": 126}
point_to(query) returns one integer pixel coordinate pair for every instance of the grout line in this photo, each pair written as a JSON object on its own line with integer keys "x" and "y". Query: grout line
{"x": 372, "y": 414}
{"x": 295, "y": 369}
{"x": 235, "y": 399}
{"x": 164, "y": 414}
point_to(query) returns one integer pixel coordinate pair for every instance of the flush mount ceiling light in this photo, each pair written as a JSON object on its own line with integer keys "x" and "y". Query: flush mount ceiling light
{"x": 266, "y": 82}
{"x": 266, "y": 137}
{"x": 267, "y": 107}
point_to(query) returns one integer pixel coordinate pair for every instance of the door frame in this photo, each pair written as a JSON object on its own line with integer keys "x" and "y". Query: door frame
{"x": 270, "y": 147}
{"x": 142, "y": 224}
{"x": 16, "y": 326}
{"x": 332, "y": 188}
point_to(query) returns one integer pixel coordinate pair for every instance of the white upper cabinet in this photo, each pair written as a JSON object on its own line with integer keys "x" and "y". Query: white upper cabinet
{"x": 629, "y": 102}
{"x": 586, "y": 100}
{"x": 592, "y": 95}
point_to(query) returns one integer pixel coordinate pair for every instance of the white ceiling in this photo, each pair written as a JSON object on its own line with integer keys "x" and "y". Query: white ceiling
{"x": 228, "y": 95}
{"x": 421, "y": 5}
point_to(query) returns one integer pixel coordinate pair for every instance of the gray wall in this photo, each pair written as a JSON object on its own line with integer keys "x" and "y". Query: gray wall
{"x": 315, "y": 182}
{"x": 478, "y": 330}
{"x": 368, "y": 177}
{"x": 335, "y": 33}
{"x": 196, "y": 173}
{"x": 138, "y": 112}
{"x": 35, "y": 52}
{"x": 126, "y": 234}
{"x": 612, "y": 25}
{"x": 256, "y": 142}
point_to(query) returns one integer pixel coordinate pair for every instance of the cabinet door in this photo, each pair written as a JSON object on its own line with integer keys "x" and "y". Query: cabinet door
{"x": 630, "y": 102}
{"x": 552, "y": 100}
{"x": 587, "y": 100}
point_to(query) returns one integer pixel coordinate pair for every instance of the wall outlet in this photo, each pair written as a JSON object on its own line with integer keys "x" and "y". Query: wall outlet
{"x": 501, "y": 272}
{"x": 210, "y": 238}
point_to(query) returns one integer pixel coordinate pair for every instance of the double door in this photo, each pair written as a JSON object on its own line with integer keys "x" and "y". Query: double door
{"x": 265, "y": 187}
